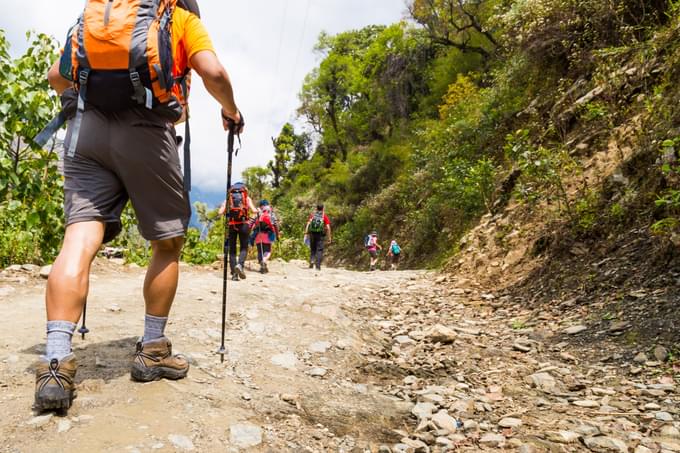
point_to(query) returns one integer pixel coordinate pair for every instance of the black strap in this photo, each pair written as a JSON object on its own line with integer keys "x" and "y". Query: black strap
{"x": 187, "y": 155}
{"x": 187, "y": 138}
{"x": 235, "y": 127}
{"x": 44, "y": 136}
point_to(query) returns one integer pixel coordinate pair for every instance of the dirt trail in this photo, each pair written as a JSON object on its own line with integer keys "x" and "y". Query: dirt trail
{"x": 340, "y": 361}
{"x": 290, "y": 346}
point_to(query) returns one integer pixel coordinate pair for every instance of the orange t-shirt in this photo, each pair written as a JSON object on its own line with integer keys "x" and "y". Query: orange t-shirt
{"x": 189, "y": 37}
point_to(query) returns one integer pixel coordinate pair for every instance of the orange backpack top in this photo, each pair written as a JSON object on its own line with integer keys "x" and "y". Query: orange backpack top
{"x": 238, "y": 204}
{"x": 125, "y": 48}
{"x": 119, "y": 55}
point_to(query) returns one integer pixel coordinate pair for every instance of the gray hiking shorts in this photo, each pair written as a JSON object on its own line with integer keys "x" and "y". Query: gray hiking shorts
{"x": 120, "y": 156}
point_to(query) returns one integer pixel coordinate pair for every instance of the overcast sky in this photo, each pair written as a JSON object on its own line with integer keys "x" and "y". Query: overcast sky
{"x": 266, "y": 46}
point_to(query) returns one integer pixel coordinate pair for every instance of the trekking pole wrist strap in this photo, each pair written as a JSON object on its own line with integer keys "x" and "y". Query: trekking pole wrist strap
{"x": 231, "y": 121}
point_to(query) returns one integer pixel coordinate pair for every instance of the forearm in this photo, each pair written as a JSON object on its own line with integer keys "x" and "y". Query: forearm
{"x": 56, "y": 81}
{"x": 215, "y": 79}
{"x": 219, "y": 86}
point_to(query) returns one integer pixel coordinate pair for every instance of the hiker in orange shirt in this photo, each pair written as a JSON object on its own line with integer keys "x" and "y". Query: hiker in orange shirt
{"x": 124, "y": 80}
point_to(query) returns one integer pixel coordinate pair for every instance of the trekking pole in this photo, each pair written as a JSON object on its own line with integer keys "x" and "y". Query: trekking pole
{"x": 83, "y": 330}
{"x": 230, "y": 151}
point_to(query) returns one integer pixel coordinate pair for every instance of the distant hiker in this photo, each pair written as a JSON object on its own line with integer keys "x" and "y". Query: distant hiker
{"x": 372, "y": 247}
{"x": 266, "y": 229}
{"x": 121, "y": 145}
{"x": 241, "y": 208}
{"x": 318, "y": 226}
{"x": 394, "y": 253}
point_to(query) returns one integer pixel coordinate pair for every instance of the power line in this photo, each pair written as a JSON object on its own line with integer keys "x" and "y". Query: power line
{"x": 283, "y": 29}
{"x": 299, "y": 49}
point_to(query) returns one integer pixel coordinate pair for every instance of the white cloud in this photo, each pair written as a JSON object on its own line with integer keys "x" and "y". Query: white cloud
{"x": 265, "y": 45}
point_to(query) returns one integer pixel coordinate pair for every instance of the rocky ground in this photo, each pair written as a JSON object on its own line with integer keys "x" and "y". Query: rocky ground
{"x": 342, "y": 361}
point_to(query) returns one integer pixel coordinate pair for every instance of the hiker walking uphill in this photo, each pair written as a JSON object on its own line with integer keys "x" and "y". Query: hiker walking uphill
{"x": 318, "y": 226}
{"x": 372, "y": 247}
{"x": 266, "y": 231}
{"x": 240, "y": 209}
{"x": 394, "y": 253}
{"x": 122, "y": 89}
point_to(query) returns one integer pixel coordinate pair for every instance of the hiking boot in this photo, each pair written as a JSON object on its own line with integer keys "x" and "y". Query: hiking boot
{"x": 311, "y": 265}
{"x": 240, "y": 272}
{"x": 265, "y": 268}
{"x": 234, "y": 277}
{"x": 154, "y": 360}
{"x": 55, "y": 385}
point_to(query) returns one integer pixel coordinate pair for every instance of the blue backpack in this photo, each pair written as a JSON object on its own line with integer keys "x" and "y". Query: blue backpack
{"x": 396, "y": 250}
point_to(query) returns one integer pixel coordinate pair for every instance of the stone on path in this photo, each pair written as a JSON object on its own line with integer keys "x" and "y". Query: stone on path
{"x": 423, "y": 410}
{"x": 663, "y": 416}
{"x": 320, "y": 347}
{"x": 641, "y": 357}
{"x": 40, "y": 420}
{"x": 562, "y": 437}
{"x": 542, "y": 381}
{"x": 285, "y": 360}
{"x": 492, "y": 440}
{"x": 586, "y": 403}
{"x": 660, "y": 353}
{"x": 45, "y": 271}
{"x": 510, "y": 422}
{"x": 440, "y": 334}
{"x": 604, "y": 444}
{"x": 181, "y": 442}
{"x": 573, "y": 330}
{"x": 670, "y": 431}
{"x": 318, "y": 372}
{"x": 64, "y": 425}
{"x": 444, "y": 421}
{"x": 245, "y": 435}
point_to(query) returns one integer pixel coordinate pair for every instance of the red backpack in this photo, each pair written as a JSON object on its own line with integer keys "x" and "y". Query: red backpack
{"x": 238, "y": 204}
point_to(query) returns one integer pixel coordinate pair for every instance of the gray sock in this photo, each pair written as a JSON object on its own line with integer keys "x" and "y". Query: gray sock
{"x": 154, "y": 327}
{"x": 59, "y": 334}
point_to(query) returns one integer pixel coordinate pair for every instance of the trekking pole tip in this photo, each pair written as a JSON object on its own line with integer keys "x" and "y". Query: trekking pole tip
{"x": 222, "y": 351}
{"x": 82, "y": 331}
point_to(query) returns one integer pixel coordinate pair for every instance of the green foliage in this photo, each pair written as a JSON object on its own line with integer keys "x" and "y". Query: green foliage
{"x": 669, "y": 199}
{"x": 198, "y": 250}
{"x": 462, "y": 25}
{"x": 542, "y": 171}
{"x": 135, "y": 248}
{"x": 31, "y": 216}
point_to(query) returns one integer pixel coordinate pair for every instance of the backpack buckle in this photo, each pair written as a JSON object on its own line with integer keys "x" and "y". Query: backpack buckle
{"x": 83, "y": 75}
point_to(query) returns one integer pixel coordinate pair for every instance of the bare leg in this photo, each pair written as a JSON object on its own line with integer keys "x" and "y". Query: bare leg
{"x": 69, "y": 280}
{"x": 160, "y": 284}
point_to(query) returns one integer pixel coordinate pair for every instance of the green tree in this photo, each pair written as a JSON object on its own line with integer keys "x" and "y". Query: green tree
{"x": 31, "y": 216}
{"x": 458, "y": 23}
{"x": 284, "y": 149}
{"x": 255, "y": 178}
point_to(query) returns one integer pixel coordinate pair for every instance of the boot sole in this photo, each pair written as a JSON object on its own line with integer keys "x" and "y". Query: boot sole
{"x": 54, "y": 399}
{"x": 147, "y": 374}
{"x": 241, "y": 274}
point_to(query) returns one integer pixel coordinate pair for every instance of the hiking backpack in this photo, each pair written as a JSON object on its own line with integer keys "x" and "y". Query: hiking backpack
{"x": 119, "y": 55}
{"x": 317, "y": 224}
{"x": 265, "y": 221}
{"x": 238, "y": 204}
{"x": 396, "y": 250}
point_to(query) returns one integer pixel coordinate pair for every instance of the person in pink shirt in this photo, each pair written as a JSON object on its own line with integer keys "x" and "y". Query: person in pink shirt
{"x": 372, "y": 247}
{"x": 266, "y": 231}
